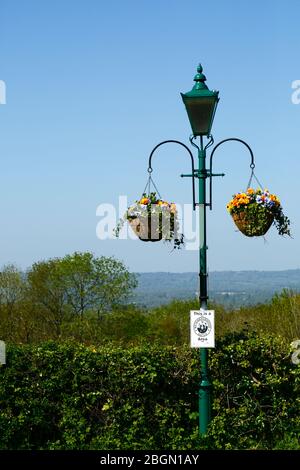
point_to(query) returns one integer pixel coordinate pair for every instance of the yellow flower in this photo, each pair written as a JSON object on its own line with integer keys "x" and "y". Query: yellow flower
{"x": 144, "y": 200}
{"x": 173, "y": 209}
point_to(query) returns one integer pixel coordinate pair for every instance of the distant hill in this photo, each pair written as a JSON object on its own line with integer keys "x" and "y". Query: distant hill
{"x": 230, "y": 288}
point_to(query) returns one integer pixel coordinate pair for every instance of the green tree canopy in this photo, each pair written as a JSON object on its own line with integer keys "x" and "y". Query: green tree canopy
{"x": 79, "y": 282}
{"x": 11, "y": 287}
{"x": 47, "y": 293}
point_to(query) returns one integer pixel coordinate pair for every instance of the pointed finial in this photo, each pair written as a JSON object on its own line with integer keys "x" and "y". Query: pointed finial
{"x": 199, "y": 78}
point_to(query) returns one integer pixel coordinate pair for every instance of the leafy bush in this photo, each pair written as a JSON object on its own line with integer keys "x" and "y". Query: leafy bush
{"x": 70, "y": 396}
{"x": 256, "y": 391}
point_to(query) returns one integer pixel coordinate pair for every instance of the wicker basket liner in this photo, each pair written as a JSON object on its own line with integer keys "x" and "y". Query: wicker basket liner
{"x": 151, "y": 229}
{"x": 251, "y": 226}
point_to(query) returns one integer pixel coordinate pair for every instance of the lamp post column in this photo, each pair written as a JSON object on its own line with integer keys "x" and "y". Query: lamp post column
{"x": 205, "y": 384}
{"x": 201, "y": 104}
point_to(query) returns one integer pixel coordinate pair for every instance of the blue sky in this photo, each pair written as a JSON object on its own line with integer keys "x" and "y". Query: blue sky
{"x": 93, "y": 86}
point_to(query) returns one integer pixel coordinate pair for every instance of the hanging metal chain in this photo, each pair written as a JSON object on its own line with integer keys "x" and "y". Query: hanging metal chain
{"x": 150, "y": 182}
{"x": 147, "y": 186}
{"x": 253, "y": 176}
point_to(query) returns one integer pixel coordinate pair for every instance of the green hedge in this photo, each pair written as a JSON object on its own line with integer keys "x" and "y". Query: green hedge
{"x": 69, "y": 396}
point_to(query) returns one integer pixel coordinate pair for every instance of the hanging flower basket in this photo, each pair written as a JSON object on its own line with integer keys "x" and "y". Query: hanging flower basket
{"x": 152, "y": 220}
{"x": 254, "y": 212}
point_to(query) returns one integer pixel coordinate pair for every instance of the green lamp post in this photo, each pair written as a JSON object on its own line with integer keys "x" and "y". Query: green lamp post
{"x": 201, "y": 104}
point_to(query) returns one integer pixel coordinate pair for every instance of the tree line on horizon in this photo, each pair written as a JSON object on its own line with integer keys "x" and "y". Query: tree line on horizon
{"x": 86, "y": 298}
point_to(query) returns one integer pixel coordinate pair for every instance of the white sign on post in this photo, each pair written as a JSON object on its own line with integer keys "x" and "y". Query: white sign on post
{"x": 2, "y": 353}
{"x": 202, "y": 327}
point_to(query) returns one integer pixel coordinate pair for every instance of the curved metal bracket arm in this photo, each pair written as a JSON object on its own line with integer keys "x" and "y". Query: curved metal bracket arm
{"x": 150, "y": 169}
{"x": 252, "y": 165}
